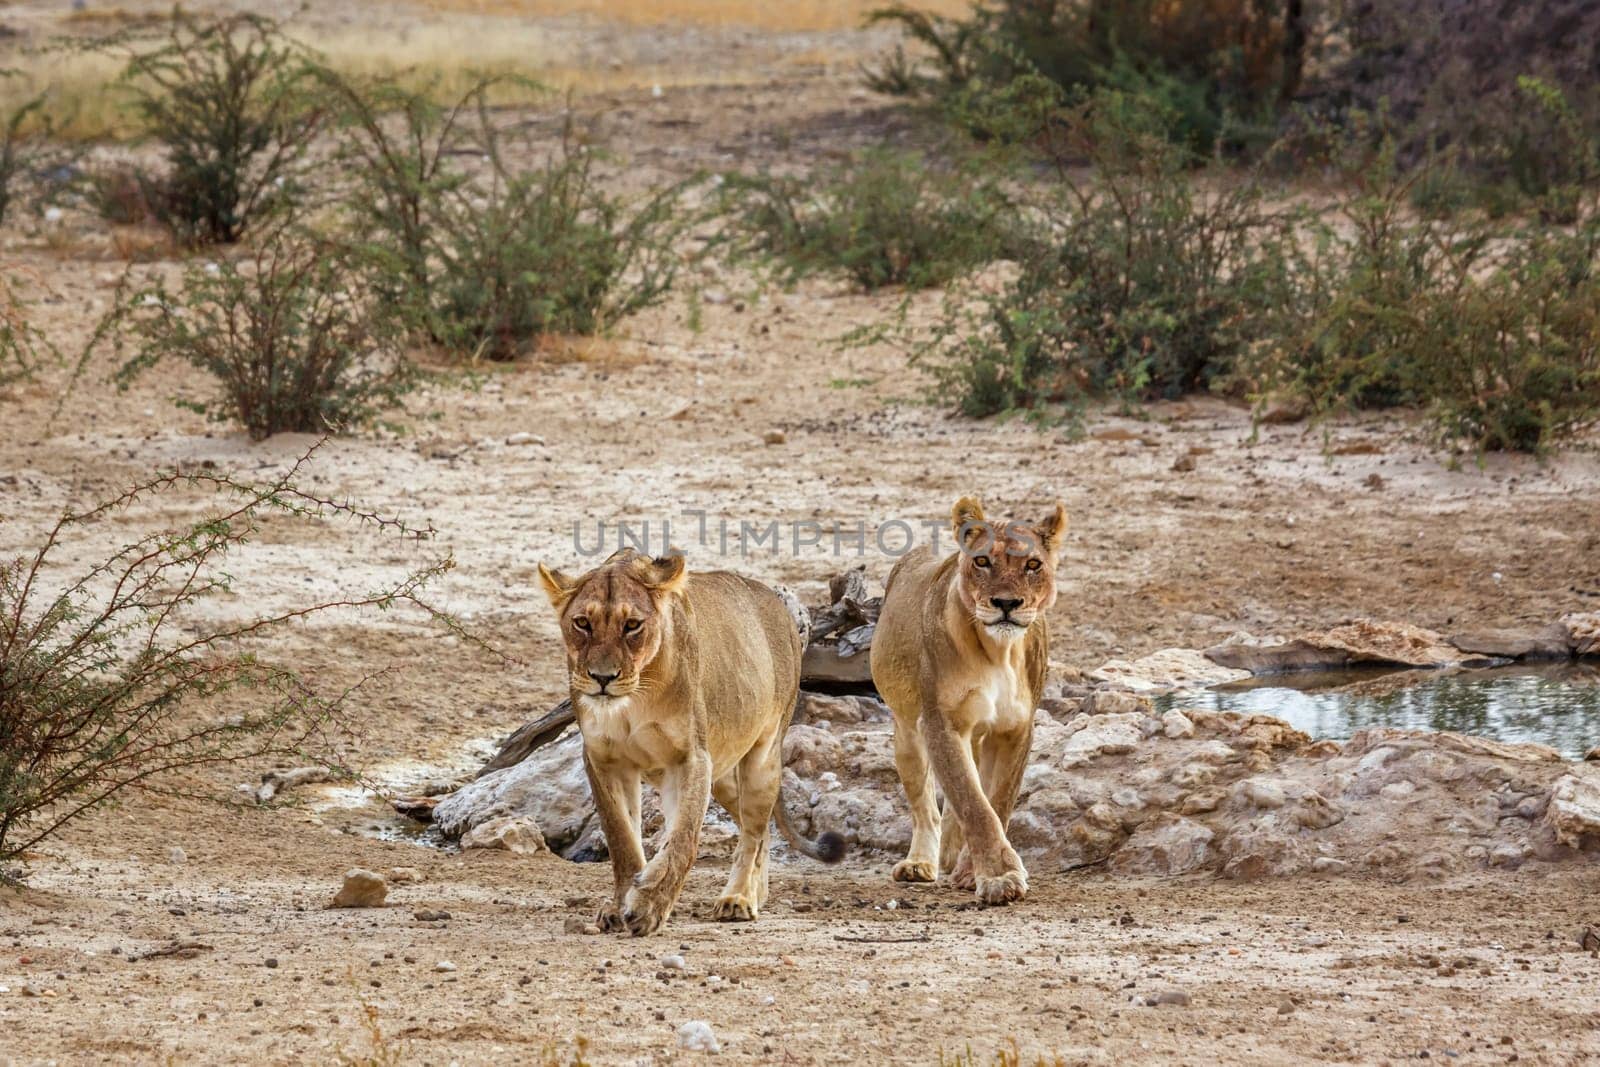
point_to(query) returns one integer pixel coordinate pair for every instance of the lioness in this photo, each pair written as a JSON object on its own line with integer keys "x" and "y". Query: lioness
{"x": 686, "y": 681}
{"x": 960, "y": 655}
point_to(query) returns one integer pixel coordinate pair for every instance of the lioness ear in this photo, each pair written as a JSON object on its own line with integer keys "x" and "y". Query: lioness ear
{"x": 1054, "y": 528}
{"x": 665, "y": 574}
{"x": 965, "y": 518}
{"x": 557, "y": 586}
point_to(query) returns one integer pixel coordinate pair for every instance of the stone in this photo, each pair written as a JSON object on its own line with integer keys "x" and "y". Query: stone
{"x": 1573, "y": 814}
{"x": 361, "y": 889}
{"x": 696, "y": 1035}
{"x": 1263, "y": 794}
{"x": 1397, "y": 790}
{"x": 577, "y": 925}
{"x": 1115, "y": 702}
{"x": 1168, "y": 669}
{"x": 524, "y": 438}
{"x": 1252, "y": 854}
{"x": 519, "y": 834}
{"x": 1175, "y": 997}
{"x": 1314, "y": 811}
{"x": 444, "y": 966}
{"x": 1583, "y": 633}
{"x": 1593, "y": 755}
{"x": 430, "y": 915}
{"x": 1176, "y": 725}
{"x": 1363, "y": 641}
{"x": 1100, "y": 735}
{"x": 404, "y": 875}
{"x": 176, "y": 855}
{"x": 1166, "y": 845}
{"x": 1541, "y": 643}
{"x": 1508, "y": 856}
{"x": 774, "y": 437}
{"x": 673, "y": 963}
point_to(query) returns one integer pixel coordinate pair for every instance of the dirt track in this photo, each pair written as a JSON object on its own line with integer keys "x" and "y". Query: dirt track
{"x": 1304, "y": 527}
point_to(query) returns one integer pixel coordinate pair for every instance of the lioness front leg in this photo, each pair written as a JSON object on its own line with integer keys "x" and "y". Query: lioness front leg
{"x": 616, "y": 801}
{"x": 685, "y": 795}
{"x": 997, "y": 871}
{"x": 1002, "y": 761}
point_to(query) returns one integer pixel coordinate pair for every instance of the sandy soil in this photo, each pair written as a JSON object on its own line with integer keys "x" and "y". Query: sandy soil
{"x": 1302, "y": 527}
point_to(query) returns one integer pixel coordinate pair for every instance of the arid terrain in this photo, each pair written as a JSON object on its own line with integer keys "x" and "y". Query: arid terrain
{"x": 181, "y": 931}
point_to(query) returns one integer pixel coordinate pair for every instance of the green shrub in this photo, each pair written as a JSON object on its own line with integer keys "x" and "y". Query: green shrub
{"x": 1490, "y": 327}
{"x": 23, "y": 346}
{"x": 290, "y": 336}
{"x": 1205, "y": 63}
{"x": 1141, "y": 283}
{"x": 227, "y": 101}
{"x": 110, "y": 679}
{"x": 886, "y": 218}
{"x": 13, "y": 150}
{"x": 484, "y": 262}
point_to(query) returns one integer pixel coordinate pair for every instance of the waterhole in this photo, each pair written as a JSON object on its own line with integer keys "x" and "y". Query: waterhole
{"x": 1558, "y": 706}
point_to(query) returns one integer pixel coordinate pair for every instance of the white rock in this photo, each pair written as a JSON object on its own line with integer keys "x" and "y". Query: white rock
{"x": 524, "y": 438}
{"x": 1175, "y": 724}
{"x": 1397, "y": 790}
{"x": 175, "y": 854}
{"x": 444, "y": 966}
{"x": 673, "y": 963}
{"x": 510, "y": 833}
{"x": 1263, "y": 794}
{"x": 696, "y": 1035}
{"x": 1574, "y": 810}
{"x": 1170, "y": 668}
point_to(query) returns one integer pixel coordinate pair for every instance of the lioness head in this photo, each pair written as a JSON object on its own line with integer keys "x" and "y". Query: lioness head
{"x": 613, "y": 620}
{"x": 1006, "y": 571}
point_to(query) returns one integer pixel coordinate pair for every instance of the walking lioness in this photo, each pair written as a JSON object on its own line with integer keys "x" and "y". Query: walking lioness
{"x": 688, "y": 682}
{"x": 960, "y": 655}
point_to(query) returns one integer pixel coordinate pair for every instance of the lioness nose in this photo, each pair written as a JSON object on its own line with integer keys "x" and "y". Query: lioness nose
{"x": 603, "y": 680}
{"x": 1006, "y": 604}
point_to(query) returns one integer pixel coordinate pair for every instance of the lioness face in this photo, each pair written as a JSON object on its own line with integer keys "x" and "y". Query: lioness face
{"x": 613, "y": 621}
{"x": 1007, "y": 570}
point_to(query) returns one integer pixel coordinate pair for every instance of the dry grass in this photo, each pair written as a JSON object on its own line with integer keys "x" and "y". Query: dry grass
{"x": 788, "y": 15}
{"x": 442, "y": 57}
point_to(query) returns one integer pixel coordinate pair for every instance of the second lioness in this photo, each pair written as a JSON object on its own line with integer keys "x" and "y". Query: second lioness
{"x": 960, "y": 655}
{"x": 686, "y": 681}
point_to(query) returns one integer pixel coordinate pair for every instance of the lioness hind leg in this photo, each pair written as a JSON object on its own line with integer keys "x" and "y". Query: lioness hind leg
{"x": 749, "y": 795}
{"x": 911, "y": 760}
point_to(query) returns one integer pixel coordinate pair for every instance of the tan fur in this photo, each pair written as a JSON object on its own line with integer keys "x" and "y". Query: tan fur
{"x": 688, "y": 682}
{"x": 963, "y": 676}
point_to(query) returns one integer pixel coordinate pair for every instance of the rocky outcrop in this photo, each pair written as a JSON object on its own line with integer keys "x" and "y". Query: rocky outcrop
{"x": 1193, "y": 791}
{"x": 1358, "y": 643}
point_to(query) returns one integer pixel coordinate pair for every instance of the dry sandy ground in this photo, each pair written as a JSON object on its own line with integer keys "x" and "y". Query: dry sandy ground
{"x": 1303, "y": 527}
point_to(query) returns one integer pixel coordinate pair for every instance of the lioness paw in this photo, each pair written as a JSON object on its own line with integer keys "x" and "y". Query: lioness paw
{"x": 734, "y": 908}
{"x": 610, "y": 921}
{"x": 643, "y": 913}
{"x": 961, "y": 876}
{"x": 912, "y": 871}
{"x": 1008, "y": 887}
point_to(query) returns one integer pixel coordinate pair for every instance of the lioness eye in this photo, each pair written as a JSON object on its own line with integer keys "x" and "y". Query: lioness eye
{"x": 581, "y": 623}
{"x": 1034, "y": 564}
{"x": 981, "y": 561}
{"x": 631, "y": 626}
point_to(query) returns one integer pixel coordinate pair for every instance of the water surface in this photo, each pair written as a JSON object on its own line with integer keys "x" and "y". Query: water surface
{"x": 1557, "y": 706}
